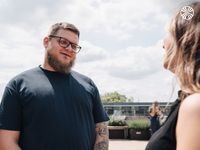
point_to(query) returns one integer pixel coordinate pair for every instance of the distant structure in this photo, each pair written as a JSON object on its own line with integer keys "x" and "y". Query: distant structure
{"x": 134, "y": 108}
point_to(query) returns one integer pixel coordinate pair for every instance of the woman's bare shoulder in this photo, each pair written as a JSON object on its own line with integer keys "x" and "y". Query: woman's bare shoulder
{"x": 191, "y": 104}
{"x": 187, "y": 129}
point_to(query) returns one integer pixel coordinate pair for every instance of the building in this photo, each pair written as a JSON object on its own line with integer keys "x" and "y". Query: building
{"x": 133, "y": 108}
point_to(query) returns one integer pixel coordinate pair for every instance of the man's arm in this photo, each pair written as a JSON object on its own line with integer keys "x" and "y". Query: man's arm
{"x": 101, "y": 136}
{"x": 9, "y": 140}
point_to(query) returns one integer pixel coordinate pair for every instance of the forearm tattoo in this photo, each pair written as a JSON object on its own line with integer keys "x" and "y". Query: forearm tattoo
{"x": 102, "y": 137}
{"x": 102, "y": 132}
{"x": 103, "y": 145}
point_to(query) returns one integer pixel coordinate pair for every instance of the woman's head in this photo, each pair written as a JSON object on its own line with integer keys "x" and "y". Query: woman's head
{"x": 182, "y": 45}
{"x": 155, "y": 103}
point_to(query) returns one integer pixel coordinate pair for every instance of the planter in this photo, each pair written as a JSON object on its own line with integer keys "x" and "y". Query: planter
{"x": 118, "y": 132}
{"x": 139, "y": 134}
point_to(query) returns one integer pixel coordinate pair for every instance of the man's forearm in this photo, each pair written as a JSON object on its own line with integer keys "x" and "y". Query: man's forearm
{"x": 102, "y": 141}
{"x": 9, "y": 140}
{"x": 10, "y": 146}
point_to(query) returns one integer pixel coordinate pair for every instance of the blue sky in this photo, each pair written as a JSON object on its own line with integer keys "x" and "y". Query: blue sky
{"x": 121, "y": 40}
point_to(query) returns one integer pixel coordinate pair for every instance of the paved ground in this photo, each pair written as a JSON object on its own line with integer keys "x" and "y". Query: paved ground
{"x": 127, "y": 145}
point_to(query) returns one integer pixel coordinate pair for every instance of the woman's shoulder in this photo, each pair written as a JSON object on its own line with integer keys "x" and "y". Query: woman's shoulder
{"x": 191, "y": 103}
{"x": 187, "y": 129}
{"x": 192, "y": 100}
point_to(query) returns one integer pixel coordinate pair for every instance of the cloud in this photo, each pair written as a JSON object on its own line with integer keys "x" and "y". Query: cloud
{"x": 135, "y": 71}
{"x": 90, "y": 53}
{"x": 120, "y": 19}
{"x": 136, "y": 62}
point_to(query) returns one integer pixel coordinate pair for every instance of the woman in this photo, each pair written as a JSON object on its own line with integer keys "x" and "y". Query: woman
{"x": 181, "y": 131}
{"x": 154, "y": 113}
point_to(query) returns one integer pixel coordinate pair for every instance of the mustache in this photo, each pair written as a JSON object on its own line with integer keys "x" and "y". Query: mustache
{"x": 57, "y": 65}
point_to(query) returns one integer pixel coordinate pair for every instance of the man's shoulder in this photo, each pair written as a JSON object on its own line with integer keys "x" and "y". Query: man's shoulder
{"x": 25, "y": 74}
{"x": 83, "y": 80}
{"x": 80, "y": 76}
{"x": 21, "y": 77}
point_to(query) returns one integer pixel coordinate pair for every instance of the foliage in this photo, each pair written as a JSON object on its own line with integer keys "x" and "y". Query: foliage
{"x": 138, "y": 124}
{"x": 114, "y": 97}
{"x": 117, "y": 123}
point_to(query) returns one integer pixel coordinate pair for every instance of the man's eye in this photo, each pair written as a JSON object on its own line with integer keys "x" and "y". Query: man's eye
{"x": 74, "y": 46}
{"x": 64, "y": 42}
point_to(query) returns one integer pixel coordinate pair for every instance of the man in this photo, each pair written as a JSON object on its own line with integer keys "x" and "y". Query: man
{"x": 51, "y": 107}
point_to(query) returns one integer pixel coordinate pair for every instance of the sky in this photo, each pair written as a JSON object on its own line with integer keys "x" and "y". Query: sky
{"x": 121, "y": 42}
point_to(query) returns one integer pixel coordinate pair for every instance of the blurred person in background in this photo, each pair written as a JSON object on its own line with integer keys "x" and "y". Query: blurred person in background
{"x": 154, "y": 113}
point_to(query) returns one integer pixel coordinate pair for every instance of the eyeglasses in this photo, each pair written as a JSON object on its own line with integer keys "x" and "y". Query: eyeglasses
{"x": 63, "y": 42}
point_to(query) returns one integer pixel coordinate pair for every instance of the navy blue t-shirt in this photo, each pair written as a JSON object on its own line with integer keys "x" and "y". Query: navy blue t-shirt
{"x": 52, "y": 111}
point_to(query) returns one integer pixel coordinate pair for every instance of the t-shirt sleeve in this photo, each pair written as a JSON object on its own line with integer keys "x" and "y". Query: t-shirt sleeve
{"x": 99, "y": 113}
{"x": 10, "y": 110}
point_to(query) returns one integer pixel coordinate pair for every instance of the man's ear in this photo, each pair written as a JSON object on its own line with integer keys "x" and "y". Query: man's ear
{"x": 45, "y": 41}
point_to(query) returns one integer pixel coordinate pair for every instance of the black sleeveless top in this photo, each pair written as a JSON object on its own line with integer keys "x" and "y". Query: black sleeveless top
{"x": 165, "y": 137}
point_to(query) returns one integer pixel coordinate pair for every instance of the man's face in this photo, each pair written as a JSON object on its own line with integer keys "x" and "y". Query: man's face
{"x": 58, "y": 58}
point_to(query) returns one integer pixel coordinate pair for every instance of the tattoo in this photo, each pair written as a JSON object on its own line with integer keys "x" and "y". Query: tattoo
{"x": 103, "y": 145}
{"x": 102, "y": 131}
{"x": 102, "y": 141}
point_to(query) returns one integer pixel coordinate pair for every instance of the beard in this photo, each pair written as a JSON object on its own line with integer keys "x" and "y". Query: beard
{"x": 58, "y": 65}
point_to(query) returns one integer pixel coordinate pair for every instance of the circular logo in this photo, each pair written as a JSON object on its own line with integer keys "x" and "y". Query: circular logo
{"x": 187, "y": 12}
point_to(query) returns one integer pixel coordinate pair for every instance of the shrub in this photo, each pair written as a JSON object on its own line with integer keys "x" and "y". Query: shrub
{"x": 117, "y": 123}
{"x": 140, "y": 124}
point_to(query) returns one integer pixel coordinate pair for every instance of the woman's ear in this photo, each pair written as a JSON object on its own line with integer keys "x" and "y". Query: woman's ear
{"x": 45, "y": 41}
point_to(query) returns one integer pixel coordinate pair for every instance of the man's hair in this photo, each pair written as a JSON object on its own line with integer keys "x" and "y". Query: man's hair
{"x": 65, "y": 26}
{"x": 184, "y": 54}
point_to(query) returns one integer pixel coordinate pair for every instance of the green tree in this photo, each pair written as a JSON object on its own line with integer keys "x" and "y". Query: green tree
{"x": 114, "y": 97}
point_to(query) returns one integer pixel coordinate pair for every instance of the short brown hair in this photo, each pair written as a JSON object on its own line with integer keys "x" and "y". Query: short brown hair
{"x": 63, "y": 25}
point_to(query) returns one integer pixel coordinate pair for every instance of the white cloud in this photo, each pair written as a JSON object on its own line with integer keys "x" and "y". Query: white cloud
{"x": 136, "y": 62}
{"x": 135, "y": 71}
{"x": 90, "y": 53}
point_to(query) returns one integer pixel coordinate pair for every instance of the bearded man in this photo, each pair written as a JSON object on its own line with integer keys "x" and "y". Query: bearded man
{"x": 51, "y": 107}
